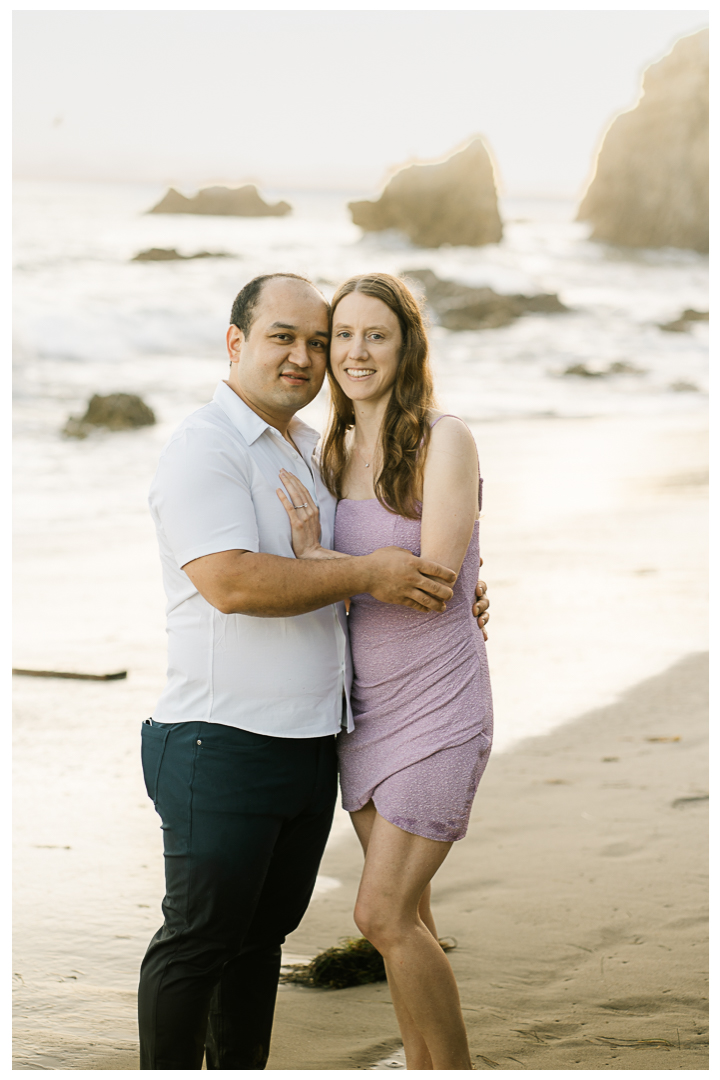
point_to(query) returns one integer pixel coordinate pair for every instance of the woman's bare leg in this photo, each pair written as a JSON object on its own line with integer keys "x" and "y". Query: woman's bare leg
{"x": 363, "y": 822}
{"x": 426, "y": 914}
{"x": 417, "y": 1055}
{"x": 397, "y": 873}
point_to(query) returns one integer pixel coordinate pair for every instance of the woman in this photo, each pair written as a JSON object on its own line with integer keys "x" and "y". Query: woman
{"x": 404, "y": 475}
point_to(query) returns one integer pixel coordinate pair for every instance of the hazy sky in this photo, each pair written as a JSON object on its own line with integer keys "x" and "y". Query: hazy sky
{"x": 328, "y": 99}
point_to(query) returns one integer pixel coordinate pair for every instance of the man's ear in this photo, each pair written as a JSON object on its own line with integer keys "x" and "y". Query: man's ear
{"x": 235, "y": 341}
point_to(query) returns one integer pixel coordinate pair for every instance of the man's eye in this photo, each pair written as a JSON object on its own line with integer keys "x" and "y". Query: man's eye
{"x": 318, "y": 344}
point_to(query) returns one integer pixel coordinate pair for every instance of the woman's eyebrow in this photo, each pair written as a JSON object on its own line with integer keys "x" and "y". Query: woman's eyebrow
{"x": 346, "y": 326}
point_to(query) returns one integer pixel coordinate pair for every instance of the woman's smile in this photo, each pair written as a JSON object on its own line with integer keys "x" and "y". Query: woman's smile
{"x": 359, "y": 373}
{"x": 365, "y": 347}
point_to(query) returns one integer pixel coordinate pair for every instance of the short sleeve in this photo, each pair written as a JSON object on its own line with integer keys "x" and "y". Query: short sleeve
{"x": 201, "y": 495}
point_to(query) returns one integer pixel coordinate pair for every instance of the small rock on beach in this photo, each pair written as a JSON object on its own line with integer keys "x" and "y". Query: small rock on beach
{"x": 117, "y": 412}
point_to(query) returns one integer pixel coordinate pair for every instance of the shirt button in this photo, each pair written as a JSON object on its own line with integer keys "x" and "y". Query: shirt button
{"x": 199, "y": 742}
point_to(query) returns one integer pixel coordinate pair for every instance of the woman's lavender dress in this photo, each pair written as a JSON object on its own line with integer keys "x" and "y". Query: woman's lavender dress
{"x": 421, "y": 695}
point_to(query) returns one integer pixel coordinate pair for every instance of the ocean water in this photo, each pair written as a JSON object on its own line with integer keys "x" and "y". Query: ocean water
{"x": 89, "y": 320}
{"x": 88, "y": 868}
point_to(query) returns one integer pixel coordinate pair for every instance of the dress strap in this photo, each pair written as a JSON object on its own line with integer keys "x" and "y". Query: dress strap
{"x": 442, "y": 418}
{"x": 480, "y": 479}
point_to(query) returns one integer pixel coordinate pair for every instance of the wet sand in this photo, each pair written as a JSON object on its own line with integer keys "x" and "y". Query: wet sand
{"x": 578, "y": 901}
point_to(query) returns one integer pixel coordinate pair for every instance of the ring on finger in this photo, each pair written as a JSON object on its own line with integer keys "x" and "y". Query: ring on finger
{"x": 300, "y": 506}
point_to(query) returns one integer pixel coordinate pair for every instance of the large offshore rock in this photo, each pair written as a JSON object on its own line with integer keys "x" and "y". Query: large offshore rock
{"x": 453, "y": 202}
{"x": 651, "y": 182}
{"x": 118, "y": 412}
{"x": 244, "y": 201}
{"x": 467, "y": 307}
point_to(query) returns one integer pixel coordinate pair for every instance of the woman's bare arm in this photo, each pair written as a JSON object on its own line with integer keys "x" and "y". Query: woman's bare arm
{"x": 450, "y": 493}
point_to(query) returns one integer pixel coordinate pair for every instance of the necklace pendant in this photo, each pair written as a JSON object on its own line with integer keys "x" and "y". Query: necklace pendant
{"x": 367, "y": 464}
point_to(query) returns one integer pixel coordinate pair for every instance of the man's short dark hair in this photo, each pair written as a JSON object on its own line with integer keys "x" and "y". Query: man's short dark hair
{"x": 246, "y": 301}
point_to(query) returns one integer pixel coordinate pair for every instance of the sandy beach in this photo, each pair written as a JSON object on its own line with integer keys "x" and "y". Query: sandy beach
{"x": 578, "y": 901}
{"x": 577, "y": 897}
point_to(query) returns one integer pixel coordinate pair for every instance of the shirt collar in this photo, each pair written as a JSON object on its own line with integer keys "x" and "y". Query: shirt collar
{"x": 251, "y": 426}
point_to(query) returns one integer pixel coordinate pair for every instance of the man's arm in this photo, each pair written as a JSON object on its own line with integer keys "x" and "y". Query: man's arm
{"x": 254, "y": 583}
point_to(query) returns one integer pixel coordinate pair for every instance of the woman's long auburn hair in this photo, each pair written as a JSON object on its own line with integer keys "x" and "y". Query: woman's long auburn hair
{"x": 406, "y": 424}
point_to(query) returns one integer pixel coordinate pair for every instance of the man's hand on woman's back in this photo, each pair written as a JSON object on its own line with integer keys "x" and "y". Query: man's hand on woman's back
{"x": 481, "y": 605}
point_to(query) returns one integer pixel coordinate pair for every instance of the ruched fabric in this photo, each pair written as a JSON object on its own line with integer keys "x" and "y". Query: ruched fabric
{"x": 421, "y": 693}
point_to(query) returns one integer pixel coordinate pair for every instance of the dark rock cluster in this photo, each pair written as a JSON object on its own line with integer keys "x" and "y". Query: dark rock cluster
{"x": 682, "y": 325}
{"x": 617, "y": 367}
{"x": 170, "y": 254}
{"x": 464, "y": 307}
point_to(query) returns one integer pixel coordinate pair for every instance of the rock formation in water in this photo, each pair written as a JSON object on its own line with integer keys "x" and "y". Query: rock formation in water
{"x": 618, "y": 367}
{"x": 118, "y": 412}
{"x": 171, "y": 255}
{"x": 682, "y": 325}
{"x": 453, "y": 202}
{"x": 466, "y": 307}
{"x": 244, "y": 201}
{"x": 651, "y": 182}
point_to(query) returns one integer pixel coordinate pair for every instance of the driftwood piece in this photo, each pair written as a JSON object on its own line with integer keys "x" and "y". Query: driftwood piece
{"x": 69, "y": 675}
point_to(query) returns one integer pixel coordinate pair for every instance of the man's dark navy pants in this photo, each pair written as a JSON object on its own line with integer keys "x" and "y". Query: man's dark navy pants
{"x": 245, "y": 819}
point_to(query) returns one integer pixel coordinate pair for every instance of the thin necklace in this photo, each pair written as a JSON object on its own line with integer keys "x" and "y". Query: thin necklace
{"x": 361, "y": 456}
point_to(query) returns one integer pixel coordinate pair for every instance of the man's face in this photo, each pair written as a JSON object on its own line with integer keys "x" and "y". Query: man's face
{"x": 279, "y": 367}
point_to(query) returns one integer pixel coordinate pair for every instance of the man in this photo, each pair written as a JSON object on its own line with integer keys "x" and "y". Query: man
{"x": 239, "y": 755}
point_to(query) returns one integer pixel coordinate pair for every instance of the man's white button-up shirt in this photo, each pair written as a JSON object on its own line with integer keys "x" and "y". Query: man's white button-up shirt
{"x": 215, "y": 490}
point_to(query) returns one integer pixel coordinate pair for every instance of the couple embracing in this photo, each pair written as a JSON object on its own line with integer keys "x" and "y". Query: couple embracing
{"x": 320, "y": 612}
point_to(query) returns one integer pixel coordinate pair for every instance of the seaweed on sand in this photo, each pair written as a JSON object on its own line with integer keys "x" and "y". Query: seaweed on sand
{"x": 351, "y": 963}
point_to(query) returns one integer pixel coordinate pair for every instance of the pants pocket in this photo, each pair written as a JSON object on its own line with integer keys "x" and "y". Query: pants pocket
{"x": 154, "y": 739}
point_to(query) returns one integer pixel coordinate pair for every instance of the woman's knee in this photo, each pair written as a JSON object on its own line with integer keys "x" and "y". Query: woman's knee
{"x": 364, "y": 919}
{"x": 379, "y": 925}
{"x": 371, "y": 922}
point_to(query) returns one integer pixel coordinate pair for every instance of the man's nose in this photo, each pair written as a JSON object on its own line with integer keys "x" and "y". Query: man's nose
{"x": 299, "y": 355}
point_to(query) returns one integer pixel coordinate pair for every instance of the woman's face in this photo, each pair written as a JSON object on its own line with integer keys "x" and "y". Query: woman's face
{"x": 365, "y": 346}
